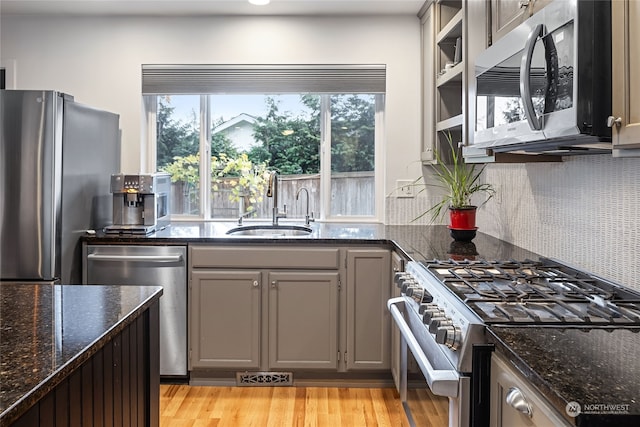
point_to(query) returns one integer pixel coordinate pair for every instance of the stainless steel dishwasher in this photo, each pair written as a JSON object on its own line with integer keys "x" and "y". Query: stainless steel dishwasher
{"x": 164, "y": 266}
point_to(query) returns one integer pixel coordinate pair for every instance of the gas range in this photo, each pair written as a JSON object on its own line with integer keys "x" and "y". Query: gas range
{"x": 452, "y": 301}
{"x": 433, "y": 313}
{"x": 445, "y": 307}
{"x": 543, "y": 292}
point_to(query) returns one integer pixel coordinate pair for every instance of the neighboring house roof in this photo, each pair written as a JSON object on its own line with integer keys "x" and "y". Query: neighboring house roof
{"x": 239, "y": 130}
{"x": 237, "y": 120}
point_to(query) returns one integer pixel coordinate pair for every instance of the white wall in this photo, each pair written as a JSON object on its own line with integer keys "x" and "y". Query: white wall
{"x": 98, "y": 60}
{"x": 584, "y": 211}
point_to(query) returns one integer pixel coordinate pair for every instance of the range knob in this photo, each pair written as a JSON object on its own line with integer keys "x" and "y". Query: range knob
{"x": 412, "y": 289}
{"x": 408, "y": 284}
{"x": 450, "y": 336}
{"x": 438, "y": 322}
{"x": 400, "y": 277}
{"x": 432, "y": 313}
{"x": 419, "y": 294}
{"x": 425, "y": 307}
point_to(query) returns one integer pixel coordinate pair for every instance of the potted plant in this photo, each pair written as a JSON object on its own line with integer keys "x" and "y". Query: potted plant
{"x": 460, "y": 181}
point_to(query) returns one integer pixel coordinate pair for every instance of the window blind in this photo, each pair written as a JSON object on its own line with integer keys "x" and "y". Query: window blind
{"x": 184, "y": 79}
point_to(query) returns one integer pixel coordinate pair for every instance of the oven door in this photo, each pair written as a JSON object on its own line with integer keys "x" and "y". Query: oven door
{"x": 436, "y": 377}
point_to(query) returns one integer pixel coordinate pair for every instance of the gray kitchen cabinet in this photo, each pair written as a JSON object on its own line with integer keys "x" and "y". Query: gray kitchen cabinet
{"x": 508, "y": 14}
{"x": 450, "y": 70}
{"x": 272, "y": 256}
{"x": 453, "y": 33}
{"x": 625, "y": 69}
{"x": 368, "y": 326}
{"x": 225, "y": 319}
{"x": 253, "y": 307}
{"x": 516, "y": 402}
{"x": 285, "y": 308}
{"x": 303, "y": 320}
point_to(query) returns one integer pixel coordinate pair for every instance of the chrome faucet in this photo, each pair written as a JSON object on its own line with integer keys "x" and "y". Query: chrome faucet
{"x": 246, "y": 214}
{"x": 307, "y": 218}
{"x": 272, "y": 191}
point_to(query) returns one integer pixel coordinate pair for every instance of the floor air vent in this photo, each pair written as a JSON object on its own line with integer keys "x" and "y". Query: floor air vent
{"x": 264, "y": 378}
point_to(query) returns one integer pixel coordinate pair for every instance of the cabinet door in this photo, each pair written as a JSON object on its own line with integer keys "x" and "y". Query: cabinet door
{"x": 505, "y": 16}
{"x": 225, "y": 319}
{"x": 626, "y": 69}
{"x": 303, "y": 320}
{"x": 508, "y": 14}
{"x": 368, "y": 320}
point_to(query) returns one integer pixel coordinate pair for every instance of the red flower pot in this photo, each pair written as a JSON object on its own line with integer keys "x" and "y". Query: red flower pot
{"x": 463, "y": 218}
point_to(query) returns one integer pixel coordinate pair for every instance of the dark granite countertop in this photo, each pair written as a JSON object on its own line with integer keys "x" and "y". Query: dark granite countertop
{"x": 596, "y": 368}
{"x": 591, "y": 368}
{"x": 47, "y": 331}
{"x": 418, "y": 242}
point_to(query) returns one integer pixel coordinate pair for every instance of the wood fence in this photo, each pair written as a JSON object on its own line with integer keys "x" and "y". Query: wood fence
{"x": 352, "y": 194}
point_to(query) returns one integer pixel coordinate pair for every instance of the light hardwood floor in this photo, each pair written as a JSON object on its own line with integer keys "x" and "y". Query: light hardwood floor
{"x": 199, "y": 406}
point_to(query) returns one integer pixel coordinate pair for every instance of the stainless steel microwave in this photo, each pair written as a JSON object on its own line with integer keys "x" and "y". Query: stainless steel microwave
{"x": 546, "y": 85}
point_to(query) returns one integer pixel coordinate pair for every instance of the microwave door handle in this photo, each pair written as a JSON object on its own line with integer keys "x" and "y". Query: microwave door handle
{"x": 525, "y": 79}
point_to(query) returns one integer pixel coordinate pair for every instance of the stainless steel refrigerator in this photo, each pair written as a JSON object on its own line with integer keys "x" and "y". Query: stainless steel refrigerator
{"x": 56, "y": 156}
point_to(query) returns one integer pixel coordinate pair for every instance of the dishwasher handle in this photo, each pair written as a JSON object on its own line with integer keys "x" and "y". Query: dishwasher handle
{"x": 135, "y": 258}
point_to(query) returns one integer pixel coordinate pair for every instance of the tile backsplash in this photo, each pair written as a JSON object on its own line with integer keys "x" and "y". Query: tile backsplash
{"x": 584, "y": 211}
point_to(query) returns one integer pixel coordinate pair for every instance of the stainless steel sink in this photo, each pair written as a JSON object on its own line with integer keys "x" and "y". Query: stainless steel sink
{"x": 268, "y": 230}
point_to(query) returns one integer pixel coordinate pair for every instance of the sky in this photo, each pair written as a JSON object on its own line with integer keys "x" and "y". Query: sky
{"x": 230, "y": 106}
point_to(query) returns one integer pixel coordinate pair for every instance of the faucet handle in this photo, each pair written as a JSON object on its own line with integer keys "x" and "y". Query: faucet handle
{"x": 309, "y": 218}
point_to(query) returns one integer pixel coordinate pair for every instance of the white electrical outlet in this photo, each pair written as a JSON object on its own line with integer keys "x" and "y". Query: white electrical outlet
{"x": 404, "y": 188}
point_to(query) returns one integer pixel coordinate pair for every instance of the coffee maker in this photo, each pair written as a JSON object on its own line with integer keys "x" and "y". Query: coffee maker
{"x": 140, "y": 203}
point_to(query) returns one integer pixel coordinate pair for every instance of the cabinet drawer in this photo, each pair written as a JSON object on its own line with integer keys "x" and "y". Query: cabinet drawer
{"x": 264, "y": 257}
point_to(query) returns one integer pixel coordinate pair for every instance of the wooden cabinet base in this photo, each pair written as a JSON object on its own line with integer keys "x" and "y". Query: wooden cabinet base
{"x": 119, "y": 385}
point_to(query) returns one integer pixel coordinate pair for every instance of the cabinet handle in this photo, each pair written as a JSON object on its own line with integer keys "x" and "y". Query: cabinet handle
{"x": 515, "y": 398}
{"x": 614, "y": 121}
{"x": 523, "y": 3}
{"x": 273, "y": 284}
{"x": 255, "y": 284}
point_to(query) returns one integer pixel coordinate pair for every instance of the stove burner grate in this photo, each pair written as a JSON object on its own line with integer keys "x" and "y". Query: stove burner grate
{"x": 536, "y": 292}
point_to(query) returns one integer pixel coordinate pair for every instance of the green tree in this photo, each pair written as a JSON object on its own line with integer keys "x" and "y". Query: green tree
{"x": 289, "y": 144}
{"x": 352, "y": 133}
{"x": 174, "y": 138}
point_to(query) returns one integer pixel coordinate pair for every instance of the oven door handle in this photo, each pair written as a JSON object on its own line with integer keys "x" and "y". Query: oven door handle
{"x": 442, "y": 382}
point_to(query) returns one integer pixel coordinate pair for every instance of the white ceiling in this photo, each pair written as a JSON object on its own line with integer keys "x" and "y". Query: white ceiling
{"x": 211, "y": 7}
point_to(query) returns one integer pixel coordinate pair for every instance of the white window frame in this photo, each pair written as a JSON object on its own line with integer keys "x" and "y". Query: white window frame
{"x": 150, "y": 107}
{"x": 323, "y": 79}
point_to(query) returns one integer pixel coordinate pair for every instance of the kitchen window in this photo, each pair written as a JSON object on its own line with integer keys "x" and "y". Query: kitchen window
{"x": 218, "y": 129}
